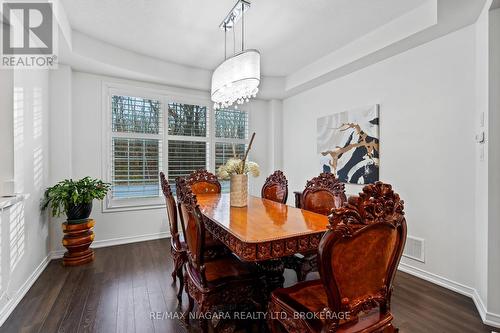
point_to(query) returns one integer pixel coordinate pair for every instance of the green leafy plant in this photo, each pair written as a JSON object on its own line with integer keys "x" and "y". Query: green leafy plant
{"x": 68, "y": 193}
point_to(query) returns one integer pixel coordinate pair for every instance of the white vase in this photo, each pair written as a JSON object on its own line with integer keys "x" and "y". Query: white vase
{"x": 239, "y": 190}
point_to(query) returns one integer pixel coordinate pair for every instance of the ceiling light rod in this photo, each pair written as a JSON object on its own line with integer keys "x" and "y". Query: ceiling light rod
{"x": 234, "y": 15}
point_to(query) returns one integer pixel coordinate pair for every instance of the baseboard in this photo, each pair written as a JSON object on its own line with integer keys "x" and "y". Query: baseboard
{"x": 488, "y": 318}
{"x": 14, "y": 301}
{"x": 492, "y": 319}
{"x": 57, "y": 254}
{"x": 130, "y": 239}
{"x": 117, "y": 241}
{"x": 481, "y": 307}
{"x": 439, "y": 280}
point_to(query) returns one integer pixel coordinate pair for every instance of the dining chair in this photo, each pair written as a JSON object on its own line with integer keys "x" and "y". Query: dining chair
{"x": 206, "y": 183}
{"x": 275, "y": 187}
{"x": 220, "y": 284}
{"x": 358, "y": 257}
{"x": 203, "y": 181}
{"x": 177, "y": 245}
{"x": 321, "y": 195}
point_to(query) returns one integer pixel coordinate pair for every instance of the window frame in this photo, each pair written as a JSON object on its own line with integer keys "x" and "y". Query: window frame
{"x": 203, "y": 102}
{"x": 165, "y": 97}
{"x": 111, "y": 204}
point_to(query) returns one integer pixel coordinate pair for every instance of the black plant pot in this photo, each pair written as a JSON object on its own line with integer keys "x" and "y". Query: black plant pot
{"x": 79, "y": 212}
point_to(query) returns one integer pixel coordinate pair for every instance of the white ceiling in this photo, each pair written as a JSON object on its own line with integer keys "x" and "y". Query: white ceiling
{"x": 289, "y": 33}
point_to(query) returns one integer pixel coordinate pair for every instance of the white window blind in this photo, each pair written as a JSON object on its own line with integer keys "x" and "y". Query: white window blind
{"x": 136, "y": 141}
{"x": 231, "y": 124}
{"x": 225, "y": 151}
{"x": 186, "y": 156}
{"x": 188, "y": 144}
{"x": 231, "y": 134}
{"x": 187, "y": 120}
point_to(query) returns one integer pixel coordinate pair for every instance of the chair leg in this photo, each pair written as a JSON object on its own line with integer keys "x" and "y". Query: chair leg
{"x": 389, "y": 329}
{"x": 274, "y": 326}
{"x": 307, "y": 265}
{"x": 189, "y": 309}
{"x": 175, "y": 259}
{"x": 181, "y": 284}
{"x": 204, "y": 325}
{"x": 299, "y": 264}
{"x": 174, "y": 277}
{"x": 300, "y": 274}
{"x": 174, "y": 273}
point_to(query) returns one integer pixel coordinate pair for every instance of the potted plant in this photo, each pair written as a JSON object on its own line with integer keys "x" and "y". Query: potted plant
{"x": 74, "y": 197}
{"x": 237, "y": 170}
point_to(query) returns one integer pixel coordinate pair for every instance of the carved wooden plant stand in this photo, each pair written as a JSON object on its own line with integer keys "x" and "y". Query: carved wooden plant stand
{"x": 77, "y": 239}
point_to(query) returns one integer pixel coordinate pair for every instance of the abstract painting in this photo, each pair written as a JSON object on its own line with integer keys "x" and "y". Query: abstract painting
{"x": 348, "y": 145}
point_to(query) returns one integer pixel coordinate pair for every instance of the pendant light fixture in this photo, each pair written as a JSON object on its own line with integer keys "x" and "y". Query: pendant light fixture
{"x": 237, "y": 79}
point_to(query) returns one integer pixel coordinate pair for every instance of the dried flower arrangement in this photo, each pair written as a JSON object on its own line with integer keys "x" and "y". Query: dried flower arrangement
{"x": 238, "y": 166}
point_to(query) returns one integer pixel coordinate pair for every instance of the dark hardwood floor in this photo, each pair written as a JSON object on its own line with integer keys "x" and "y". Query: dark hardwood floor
{"x": 120, "y": 289}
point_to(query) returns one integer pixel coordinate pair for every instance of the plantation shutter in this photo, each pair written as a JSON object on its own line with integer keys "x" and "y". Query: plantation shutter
{"x": 136, "y": 147}
{"x": 188, "y": 146}
{"x": 231, "y": 134}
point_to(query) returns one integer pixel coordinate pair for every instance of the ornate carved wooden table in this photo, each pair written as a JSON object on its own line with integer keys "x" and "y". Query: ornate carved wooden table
{"x": 77, "y": 239}
{"x": 263, "y": 232}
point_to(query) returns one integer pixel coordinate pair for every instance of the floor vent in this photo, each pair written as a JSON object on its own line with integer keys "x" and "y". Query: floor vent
{"x": 414, "y": 248}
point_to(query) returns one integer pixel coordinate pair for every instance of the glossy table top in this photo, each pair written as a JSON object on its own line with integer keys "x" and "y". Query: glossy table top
{"x": 262, "y": 220}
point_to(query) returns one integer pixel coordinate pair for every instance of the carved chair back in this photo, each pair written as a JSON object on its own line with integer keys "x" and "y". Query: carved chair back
{"x": 359, "y": 255}
{"x": 194, "y": 230}
{"x": 323, "y": 193}
{"x": 276, "y": 187}
{"x": 202, "y": 181}
{"x": 171, "y": 211}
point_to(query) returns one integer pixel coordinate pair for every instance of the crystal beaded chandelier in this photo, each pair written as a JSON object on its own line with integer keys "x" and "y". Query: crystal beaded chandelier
{"x": 237, "y": 79}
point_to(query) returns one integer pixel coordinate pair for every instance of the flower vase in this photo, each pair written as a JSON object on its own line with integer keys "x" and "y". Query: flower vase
{"x": 239, "y": 190}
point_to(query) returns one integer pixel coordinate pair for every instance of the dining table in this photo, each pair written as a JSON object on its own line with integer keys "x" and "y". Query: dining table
{"x": 263, "y": 232}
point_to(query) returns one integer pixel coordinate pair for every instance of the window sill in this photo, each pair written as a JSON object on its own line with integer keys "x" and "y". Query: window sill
{"x": 128, "y": 209}
{"x": 114, "y": 206}
{"x": 6, "y": 202}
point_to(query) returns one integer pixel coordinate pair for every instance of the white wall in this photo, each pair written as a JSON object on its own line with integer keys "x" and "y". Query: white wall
{"x": 85, "y": 146}
{"x": 276, "y": 134}
{"x": 426, "y": 98}
{"x": 494, "y": 164}
{"x": 24, "y": 237}
{"x": 6, "y": 134}
{"x": 481, "y": 168}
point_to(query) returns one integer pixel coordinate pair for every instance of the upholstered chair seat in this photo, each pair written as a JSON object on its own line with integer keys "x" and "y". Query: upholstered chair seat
{"x": 310, "y": 297}
{"x": 220, "y": 271}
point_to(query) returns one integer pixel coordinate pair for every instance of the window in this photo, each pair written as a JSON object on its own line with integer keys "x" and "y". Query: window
{"x": 148, "y": 133}
{"x": 188, "y": 146}
{"x": 135, "y": 147}
{"x": 231, "y": 134}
